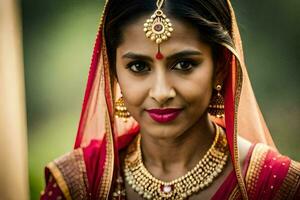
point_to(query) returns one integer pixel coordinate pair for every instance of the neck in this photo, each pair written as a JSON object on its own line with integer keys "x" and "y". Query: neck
{"x": 173, "y": 157}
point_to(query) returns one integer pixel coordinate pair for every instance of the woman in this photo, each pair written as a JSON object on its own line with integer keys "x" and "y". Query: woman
{"x": 169, "y": 112}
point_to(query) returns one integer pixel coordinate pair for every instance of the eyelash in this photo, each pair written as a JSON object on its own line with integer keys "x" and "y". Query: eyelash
{"x": 131, "y": 64}
{"x": 191, "y": 64}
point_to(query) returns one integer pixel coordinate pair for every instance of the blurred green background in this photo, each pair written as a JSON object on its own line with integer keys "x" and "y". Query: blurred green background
{"x": 58, "y": 41}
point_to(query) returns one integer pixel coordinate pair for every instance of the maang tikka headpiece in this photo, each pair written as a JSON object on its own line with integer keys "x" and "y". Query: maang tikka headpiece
{"x": 158, "y": 28}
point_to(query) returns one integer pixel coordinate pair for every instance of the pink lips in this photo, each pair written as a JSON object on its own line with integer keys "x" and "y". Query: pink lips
{"x": 164, "y": 115}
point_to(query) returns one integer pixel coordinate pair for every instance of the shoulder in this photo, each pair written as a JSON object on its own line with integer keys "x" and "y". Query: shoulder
{"x": 273, "y": 174}
{"x": 75, "y": 171}
{"x": 69, "y": 172}
{"x": 79, "y": 172}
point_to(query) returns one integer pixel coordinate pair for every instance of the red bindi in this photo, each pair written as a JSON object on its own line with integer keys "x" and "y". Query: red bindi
{"x": 159, "y": 56}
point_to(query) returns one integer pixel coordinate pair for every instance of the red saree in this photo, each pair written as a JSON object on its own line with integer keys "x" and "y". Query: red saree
{"x": 92, "y": 169}
{"x": 267, "y": 175}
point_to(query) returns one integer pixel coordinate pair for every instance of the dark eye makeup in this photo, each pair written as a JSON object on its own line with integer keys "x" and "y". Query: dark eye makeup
{"x": 184, "y": 65}
{"x": 138, "y": 66}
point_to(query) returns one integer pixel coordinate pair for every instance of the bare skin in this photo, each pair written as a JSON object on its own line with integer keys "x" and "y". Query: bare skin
{"x": 208, "y": 193}
{"x": 183, "y": 79}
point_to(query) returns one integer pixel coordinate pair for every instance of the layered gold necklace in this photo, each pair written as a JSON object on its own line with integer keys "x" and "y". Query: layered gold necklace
{"x": 198, "y": 178}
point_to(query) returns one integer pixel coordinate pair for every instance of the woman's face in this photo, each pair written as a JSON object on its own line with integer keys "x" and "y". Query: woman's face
{"x": 169, "y": 96}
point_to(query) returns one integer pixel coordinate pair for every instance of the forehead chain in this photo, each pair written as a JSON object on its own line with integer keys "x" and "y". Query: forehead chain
{"x": 159, "y": 3}
{"x": 158, "y": 27}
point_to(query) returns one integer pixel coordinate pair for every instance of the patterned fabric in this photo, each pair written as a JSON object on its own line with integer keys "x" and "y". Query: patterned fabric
{"x": 271, "y": 175}
{"x": 52, "y": 191}
{"x": 290, "y": 188}
{"x": 70, "y": 175}
{"x": 268, "y": 175}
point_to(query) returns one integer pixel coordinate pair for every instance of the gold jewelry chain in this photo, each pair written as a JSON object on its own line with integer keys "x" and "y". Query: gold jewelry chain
{"x": 159, "y": 4}
{"x": 198, "y": 178}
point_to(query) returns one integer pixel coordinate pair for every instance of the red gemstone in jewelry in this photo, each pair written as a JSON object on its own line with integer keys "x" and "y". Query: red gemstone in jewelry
{"x": 166, "y": 189}
{"x": 159, "y": 56}
{"x": 158, "y": 27}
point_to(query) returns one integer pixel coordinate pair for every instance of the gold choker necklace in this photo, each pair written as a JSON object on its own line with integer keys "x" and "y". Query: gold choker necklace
{"x": 198, "y": 178}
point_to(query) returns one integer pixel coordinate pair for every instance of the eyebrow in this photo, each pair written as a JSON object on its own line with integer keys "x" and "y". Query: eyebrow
{"x": 184, "y": 53}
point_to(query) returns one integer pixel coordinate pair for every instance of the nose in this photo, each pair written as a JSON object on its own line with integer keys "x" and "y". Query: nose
{"x": 162, "y": 90}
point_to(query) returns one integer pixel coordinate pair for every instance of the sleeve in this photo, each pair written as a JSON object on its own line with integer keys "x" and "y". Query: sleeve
{"x": 52, "y": 191}
{"x": 66, "y": 177}
{"x": 290, "y": 187}
{"x": 297, "y": 194}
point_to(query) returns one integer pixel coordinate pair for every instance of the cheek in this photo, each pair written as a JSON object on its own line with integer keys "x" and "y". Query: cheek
{"x": 134, "y": 89}
{"x": 197, "y": 88}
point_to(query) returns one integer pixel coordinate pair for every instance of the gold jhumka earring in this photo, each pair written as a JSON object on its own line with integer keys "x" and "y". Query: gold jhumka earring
{"x": 158, "y": 28}
{"x": 216, "y": 106}
{"x": 121, "y": 110}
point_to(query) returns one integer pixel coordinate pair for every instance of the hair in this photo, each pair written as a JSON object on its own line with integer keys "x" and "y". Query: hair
{"x": 211, "y": 18}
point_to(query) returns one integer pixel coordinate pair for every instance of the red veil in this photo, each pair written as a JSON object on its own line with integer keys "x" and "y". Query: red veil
{"x": 97, "y": 123}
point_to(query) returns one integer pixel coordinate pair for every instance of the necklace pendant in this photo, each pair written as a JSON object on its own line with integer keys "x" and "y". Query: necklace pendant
{"x": 197, "y": 179}
{"x": 166, "y": 191}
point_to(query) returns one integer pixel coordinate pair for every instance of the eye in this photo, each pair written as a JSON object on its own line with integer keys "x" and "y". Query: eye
{"x": 138, "y": 67}
{"x": 184, "y": 65}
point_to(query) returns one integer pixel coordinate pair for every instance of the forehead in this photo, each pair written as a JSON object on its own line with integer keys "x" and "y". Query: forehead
{"x": 184, "y": 36}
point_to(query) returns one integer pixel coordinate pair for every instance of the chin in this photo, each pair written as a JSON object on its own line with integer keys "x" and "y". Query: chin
{"x": 163, "y": 132}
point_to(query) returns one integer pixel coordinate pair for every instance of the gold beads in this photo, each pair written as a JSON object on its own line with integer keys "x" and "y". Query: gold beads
{"x": 121, "y": 110}
{"x": 158, "y": 28}
{"x": 216, "y": 106}
{"x": 200, "y": 177}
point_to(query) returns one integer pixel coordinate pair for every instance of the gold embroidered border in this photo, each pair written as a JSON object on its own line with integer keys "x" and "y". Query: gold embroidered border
{"x": 59, "y": 180}
{"x": 291, "y": 183}
{"x": 256, "y": 163}
{"x": 237, "y": 94}
{"x": 235, "y": 194}
{"x": 258, "y": 155}
{"x": 238, "y": 169}
{"x": 70, "y": 174}
{"x": 106, "y": 181}
{"x": 107, "y": 177}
